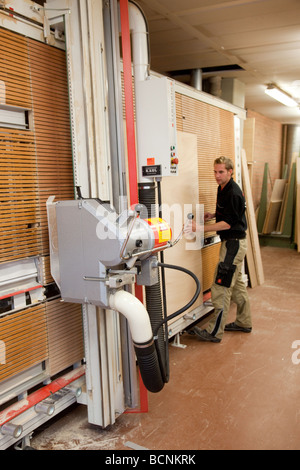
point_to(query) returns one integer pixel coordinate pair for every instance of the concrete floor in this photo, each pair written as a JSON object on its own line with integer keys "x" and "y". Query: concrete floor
{"x": 242, "y": 393}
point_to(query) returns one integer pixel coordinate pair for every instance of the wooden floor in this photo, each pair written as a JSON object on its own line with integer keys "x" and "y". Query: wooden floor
{"x": 242, "y": 393}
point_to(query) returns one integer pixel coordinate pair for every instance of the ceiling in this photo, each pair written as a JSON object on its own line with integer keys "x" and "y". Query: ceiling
{"x": 256, "y": 41}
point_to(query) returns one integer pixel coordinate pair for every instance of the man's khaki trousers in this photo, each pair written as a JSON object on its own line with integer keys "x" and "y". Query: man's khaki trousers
{"x": 228, "y": 286}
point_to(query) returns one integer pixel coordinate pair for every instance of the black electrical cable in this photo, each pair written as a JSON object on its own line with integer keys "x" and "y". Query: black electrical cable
{"x": 189, "y": 304}
{"x": 165, "y": 375}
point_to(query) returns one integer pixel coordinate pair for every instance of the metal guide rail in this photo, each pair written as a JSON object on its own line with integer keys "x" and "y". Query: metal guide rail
{"x": 19, "y": 420}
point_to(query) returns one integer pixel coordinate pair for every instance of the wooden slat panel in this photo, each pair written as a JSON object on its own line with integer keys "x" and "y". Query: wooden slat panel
{"x": 38, "y": 163}
{"x": 65, "y": 334}
{"x": 215, "y": 137}
{"x": 19, "y": 220}
{"x": 35, "y": 164}
{"x": 52, "y": 129}
{"x": 24, "y": 337}
{"x": 14, "y": 69}
{"x": 210, "y": 258}
{"x": 179, "y": 114}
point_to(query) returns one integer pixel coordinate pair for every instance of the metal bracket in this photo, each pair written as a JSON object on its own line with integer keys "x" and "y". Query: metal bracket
{"x": 119, "y": 280}
{"x": 114, "y": 281}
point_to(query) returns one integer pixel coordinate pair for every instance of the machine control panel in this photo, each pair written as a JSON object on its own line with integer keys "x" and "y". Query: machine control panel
{"x": 156, "y": 128}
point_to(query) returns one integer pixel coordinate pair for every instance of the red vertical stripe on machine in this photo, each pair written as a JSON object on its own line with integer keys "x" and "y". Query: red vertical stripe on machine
{"x": 128, "y": 94}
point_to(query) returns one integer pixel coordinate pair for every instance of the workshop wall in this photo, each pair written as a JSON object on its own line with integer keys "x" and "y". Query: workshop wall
{"x": 263, "y": 144}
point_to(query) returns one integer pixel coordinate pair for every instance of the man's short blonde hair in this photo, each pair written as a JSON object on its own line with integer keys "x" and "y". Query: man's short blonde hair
{"x": 227, "y": 162}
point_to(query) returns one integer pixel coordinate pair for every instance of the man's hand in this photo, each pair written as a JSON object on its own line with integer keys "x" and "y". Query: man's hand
{"x": 190, "y": 227}
{"x": 208, "y": 216}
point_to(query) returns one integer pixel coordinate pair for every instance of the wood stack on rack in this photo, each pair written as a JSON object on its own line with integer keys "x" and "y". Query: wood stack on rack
{"x": 278, "y": 219}
{"x": 277, "y": 207}
{"x": 253, "y": 257}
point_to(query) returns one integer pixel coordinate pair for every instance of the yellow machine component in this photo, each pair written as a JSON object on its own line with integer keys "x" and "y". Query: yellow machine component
{"x": 162, "y": 231}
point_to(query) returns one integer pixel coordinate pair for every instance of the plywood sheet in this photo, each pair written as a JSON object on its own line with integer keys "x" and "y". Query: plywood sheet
{"x": 287, "y": 213}
{"x": 272, "y": 217}
{"x": 251, "y": 269}
{"x": 181, "y": 193}
{"x": 278, "y": 190}
{"x": 275, "y": 206}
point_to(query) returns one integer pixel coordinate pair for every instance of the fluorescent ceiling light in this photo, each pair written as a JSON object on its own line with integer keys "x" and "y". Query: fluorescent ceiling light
{"x": 280, "y": 95}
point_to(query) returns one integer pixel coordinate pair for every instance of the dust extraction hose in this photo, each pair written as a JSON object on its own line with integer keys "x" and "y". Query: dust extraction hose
{"x": 146, "y": 344}
{"x": 142, "y": 337}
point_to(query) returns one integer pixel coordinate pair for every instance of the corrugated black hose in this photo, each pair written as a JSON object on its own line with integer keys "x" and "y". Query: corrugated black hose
{"x": 154, "y": 303}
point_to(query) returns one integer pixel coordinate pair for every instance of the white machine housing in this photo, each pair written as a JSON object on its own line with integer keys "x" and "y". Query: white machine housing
{"x": 93, "y": 248}
{"x": 157, "y": 141}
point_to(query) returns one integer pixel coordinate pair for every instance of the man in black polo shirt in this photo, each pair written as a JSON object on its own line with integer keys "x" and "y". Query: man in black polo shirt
{"x": 230, "y": 224}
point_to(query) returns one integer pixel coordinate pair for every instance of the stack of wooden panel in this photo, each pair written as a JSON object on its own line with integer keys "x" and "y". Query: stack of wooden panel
{"x": 275, "y": 212}
{"x": 20, "y": 230}
{"x": 279, "y": 217}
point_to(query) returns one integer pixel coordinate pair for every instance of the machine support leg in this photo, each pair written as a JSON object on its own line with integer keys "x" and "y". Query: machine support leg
{"x": 176, "y": 343}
